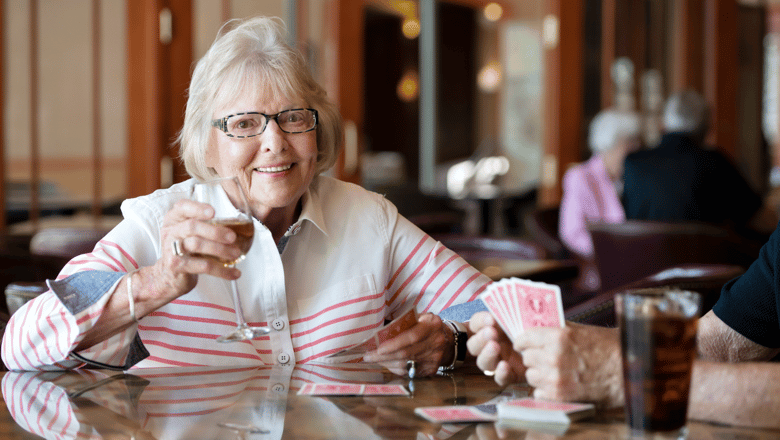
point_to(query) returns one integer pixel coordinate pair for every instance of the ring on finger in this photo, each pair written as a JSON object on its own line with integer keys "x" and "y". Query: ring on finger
{"x": 411, "y": 367}
{"x": 176, "y": 244}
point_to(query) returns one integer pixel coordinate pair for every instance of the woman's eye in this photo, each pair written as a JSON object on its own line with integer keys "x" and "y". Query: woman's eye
{"x": 244, "y": 124}
{"x": 294, "y": 117}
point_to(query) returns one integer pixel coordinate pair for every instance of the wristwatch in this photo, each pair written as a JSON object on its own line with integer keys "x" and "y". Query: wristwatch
{"x": 461, "y": 336}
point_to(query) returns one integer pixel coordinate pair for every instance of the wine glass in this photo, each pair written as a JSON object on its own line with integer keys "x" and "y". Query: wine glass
{"x": 230, "y": 203}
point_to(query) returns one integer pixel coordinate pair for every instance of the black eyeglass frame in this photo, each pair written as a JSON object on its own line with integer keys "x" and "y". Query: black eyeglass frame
{"x": 222, "y": 122}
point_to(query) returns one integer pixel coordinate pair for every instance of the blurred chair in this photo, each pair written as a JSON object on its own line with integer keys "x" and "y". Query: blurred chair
{"x": 49, "y": 250}
{"x": 65, "y": 242}
{"x": 542, "y": 226}
{"x": 441, "y": 222}
{"x": 706, "y": 279}
{"x": 626, "y": 252}
{"x": 480, "y": 246}
{"x": 506, "y": 257}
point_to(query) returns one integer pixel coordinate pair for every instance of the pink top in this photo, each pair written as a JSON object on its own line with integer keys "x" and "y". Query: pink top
{"x": 589, "y": 196}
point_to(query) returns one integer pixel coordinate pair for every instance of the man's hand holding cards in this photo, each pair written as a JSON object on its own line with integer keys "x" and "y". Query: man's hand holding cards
{"x": 518, "y": 305}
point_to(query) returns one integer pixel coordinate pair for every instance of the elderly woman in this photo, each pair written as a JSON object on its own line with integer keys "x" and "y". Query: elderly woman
{"x": 591, "y": 189}
{"x": 330, "y": 262}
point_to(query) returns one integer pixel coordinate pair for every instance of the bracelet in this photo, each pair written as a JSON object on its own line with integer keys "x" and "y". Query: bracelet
{"x": 130, "y": 299}
{"x": 459, "y": 349}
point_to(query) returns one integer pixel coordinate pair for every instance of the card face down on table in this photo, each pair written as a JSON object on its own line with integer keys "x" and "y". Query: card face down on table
{"x": 352, "y": 389}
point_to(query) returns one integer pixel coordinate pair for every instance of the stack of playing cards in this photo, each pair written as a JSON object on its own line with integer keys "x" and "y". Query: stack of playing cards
{"x": 458, "y": 414}
{"x": 518, "y": 305}
{"x": 542, "y": 411}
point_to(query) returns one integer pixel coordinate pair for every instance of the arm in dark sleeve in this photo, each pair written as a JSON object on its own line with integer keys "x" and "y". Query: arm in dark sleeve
{"x": 749, "y": 304}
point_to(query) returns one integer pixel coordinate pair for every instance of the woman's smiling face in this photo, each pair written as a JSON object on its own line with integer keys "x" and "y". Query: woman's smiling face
{"x": 275, "y": 168}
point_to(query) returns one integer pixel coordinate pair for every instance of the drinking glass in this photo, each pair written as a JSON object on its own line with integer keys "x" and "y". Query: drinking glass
{"x": 658, "y": 340}
{"x": 230, "y": 203}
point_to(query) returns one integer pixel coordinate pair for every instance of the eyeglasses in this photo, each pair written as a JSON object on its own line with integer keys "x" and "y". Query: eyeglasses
{"x": 248, "y": 124}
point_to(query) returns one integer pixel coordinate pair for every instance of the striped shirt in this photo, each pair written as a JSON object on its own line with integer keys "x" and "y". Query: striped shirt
{"x": 348, "y": 264}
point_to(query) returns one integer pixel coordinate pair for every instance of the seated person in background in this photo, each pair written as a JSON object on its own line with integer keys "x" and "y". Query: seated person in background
{"x": 732, "y": 381}
{"x": 591, "y": 189}
{"x": 329, "y": 264}
{"x": 682, "y": 180}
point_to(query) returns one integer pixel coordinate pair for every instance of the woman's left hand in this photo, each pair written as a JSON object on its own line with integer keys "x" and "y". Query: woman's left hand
{"x": 430, "y": 343}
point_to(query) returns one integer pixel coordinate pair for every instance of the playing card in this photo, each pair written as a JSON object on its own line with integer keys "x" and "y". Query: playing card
{"x": 454, "y": 414}
{"x": 340, "y": 389}
{"x": 331, "y": 389}
{"x": 518, "y": 304}
{"x": 397, "y": 326}
{"x": 539, "y": 305}
{"x": 534, "y": 410}
{"x": 403, "y": 322}
{"x": 385, "y": 390}
{"x": 492, "y": 301}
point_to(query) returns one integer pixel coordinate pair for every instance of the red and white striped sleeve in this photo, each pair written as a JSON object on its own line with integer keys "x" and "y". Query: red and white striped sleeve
{"x": 427, "y": 274}
{"x": 42, "y": 334}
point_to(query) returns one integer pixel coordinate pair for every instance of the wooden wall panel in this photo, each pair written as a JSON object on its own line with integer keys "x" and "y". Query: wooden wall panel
{"x": 563, "y": 121}
{"x": 721, "y": 62}
{"x": 158, "y": 75}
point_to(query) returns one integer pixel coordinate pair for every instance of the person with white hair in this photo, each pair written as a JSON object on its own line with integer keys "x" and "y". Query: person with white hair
{"x": 591, "y": 189}
{"x": 682, "y": 180}
{"x": 329, "y": 264}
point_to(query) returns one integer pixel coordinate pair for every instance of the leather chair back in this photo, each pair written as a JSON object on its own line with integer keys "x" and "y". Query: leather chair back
{"x": 706, "y": 279}
{"x": 542, "y": 226}
{"x": 478, "y": 246}
{"x": 626, "y": 252}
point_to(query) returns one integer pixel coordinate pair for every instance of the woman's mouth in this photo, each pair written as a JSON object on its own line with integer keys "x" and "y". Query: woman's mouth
{"x": 276, "y": 169}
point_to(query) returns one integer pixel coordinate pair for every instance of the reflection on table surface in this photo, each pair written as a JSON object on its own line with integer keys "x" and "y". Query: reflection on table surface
{"x": 261, "y": 403}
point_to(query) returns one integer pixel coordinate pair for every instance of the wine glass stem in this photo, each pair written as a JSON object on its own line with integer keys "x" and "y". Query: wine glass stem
{"x": 237, "y": 304}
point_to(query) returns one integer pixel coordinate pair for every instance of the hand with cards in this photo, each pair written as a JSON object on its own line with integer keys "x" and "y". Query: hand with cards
{"x": 518, "y": 305}
{"x": 394, "y": 328}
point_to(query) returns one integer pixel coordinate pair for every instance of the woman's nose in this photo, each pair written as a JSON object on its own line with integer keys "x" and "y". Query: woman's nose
{"x": 273, "y": 139}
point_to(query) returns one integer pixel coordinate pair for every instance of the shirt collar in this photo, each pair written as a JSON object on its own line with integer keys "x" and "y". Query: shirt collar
{"x": 311, "y": 209}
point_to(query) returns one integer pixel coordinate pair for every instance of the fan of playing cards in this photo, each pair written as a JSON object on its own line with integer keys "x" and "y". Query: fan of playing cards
{"x": 519, "y": 304}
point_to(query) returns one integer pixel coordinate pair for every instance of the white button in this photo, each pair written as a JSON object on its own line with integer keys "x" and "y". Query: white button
{"x": 283, "y": 358}
{"x": 278, "y": 324}
{"x": 279, "y": 388}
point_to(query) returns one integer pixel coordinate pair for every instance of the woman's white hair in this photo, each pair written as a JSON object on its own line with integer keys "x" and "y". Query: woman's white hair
{"x": 686, "y": 112}
{"x": 251, "y": 57}
{"x": 609, "y": 126}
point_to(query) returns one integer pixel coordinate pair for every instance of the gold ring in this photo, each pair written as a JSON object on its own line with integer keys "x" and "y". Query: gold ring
{"x": 177, "y": 248}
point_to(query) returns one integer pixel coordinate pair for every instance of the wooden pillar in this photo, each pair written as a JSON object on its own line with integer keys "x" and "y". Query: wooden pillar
{"x": 158, "y": 74}
{"x": 688, "y": 54}
{"x": 608, "y": 31}
{"x": 35, "y": 174}
{"x": 623, "y": 34}
{"x": 347, "y": 32}
{"x": 3, "y": 220}
{"x": 721, "y": 63}
{"x": 143, "y": 97}
{"x": 563, "y": 121}
{"x": 97, "y": 150}
{"x": 773, "y": 27}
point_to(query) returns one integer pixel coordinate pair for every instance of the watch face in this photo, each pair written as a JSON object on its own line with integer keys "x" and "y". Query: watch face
{"x": 462, "y": 349}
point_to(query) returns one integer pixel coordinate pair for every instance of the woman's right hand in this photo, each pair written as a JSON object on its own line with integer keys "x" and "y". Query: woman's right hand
{"x": 188, "y": 222}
